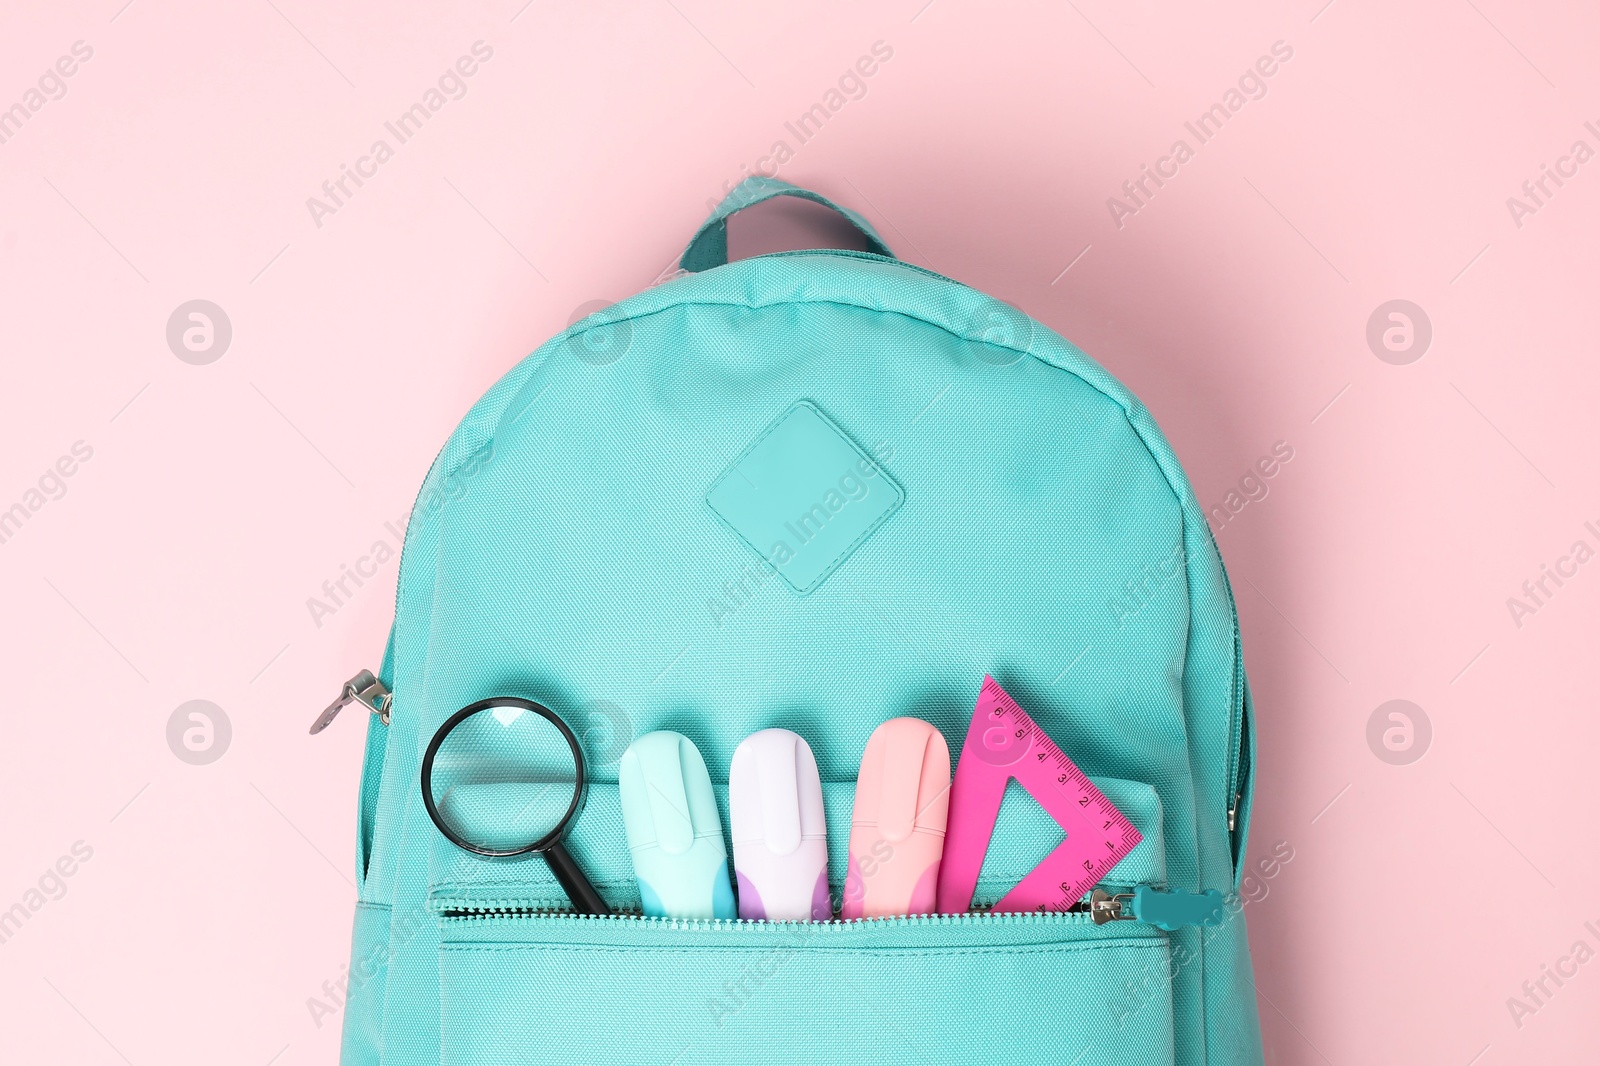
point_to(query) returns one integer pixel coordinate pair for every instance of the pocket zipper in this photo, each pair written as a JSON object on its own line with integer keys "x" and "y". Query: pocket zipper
{"x": 1077, "y": 914}
{"x": 1163, "y": 910}
{"x": 364, "y": 689}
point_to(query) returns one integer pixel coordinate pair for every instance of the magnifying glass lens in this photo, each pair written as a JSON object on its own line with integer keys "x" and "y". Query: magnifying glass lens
{"x": 504, "y": 780}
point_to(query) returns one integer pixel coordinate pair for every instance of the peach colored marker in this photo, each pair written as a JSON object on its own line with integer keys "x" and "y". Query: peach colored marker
{"x": 897, "y": 827}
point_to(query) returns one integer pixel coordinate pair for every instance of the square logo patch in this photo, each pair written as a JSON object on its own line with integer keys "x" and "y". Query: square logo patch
{"x": 803, "y": 496}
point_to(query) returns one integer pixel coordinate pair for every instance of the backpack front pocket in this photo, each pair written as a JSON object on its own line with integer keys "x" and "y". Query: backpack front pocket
{"x": 1013, "y": 988}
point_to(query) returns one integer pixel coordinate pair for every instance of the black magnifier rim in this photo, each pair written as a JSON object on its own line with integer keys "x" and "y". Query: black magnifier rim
{"x": 550, "y": 839}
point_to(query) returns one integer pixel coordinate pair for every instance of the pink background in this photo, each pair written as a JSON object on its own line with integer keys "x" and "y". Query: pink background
{"x": 219, "y": 497}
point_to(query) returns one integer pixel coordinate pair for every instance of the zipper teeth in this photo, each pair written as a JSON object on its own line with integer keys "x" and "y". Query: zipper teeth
{"x": 1237, "y": 737}
{"x": 748, "y": 924}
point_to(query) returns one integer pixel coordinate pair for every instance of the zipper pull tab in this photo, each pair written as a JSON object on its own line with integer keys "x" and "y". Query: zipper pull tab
{"x": 1164, "y": 910}
{"x": 365, "y": 689}
{"x": 1174, "y": 910}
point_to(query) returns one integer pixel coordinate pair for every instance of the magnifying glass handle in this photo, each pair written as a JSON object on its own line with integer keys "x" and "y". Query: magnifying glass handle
{"x": 585, "y": 900}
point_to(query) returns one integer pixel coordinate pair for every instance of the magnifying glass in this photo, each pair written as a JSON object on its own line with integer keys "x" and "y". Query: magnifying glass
{"x": 505, "y": 777}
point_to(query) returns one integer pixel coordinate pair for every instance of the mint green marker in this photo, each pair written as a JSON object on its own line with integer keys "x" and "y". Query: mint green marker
{"x": 674, "y": 830}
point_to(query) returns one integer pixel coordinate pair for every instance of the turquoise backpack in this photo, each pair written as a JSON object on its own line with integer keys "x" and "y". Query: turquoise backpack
{"x": 588, "y": 539}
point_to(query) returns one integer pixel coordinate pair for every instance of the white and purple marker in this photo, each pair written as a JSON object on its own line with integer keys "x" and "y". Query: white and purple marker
{"x": 780, "y": 833}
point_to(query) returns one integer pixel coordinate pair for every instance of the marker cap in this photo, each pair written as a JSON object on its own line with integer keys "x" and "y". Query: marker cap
{"x": 674, "y": 831}
{"x": 897, "y": 827}
{"x": 780, "y": 831}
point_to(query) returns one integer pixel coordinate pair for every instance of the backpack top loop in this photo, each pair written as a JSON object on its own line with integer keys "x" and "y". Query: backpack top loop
{"x": 709, "y": 246}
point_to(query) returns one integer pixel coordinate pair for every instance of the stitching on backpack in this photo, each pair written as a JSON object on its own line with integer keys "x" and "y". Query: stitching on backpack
{"x": 827, "y": 571}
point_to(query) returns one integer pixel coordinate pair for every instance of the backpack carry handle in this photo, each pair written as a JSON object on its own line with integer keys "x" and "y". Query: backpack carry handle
{"x": 709, "y": 247}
